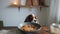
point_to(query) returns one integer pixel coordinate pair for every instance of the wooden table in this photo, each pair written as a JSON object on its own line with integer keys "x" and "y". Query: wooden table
{"x": 44, "y": 30}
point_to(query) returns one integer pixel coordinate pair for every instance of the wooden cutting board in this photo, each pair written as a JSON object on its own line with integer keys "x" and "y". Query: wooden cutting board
{"x": 28, "y": 3}
{"x": 32, "y": 3}
{"x": 35, "y": 3}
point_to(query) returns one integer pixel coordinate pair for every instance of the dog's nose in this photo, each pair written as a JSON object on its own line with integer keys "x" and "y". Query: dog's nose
{"x": 34, "y": 20}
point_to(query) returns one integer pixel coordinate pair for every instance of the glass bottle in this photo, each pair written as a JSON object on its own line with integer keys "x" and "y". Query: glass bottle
{"x": 54, "y": 28}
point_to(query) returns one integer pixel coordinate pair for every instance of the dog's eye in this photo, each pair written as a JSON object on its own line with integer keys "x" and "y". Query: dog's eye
{"x": 36, "y": 17}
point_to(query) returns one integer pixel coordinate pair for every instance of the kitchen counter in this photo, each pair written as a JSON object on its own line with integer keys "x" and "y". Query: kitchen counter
{"x": 14, "y": 30}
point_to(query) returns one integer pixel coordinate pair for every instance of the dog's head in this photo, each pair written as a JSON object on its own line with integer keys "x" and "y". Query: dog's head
{"x": 34, "y": 18}
{"x": 31, "y": 18}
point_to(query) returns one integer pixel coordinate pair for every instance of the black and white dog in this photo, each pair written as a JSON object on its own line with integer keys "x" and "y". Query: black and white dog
{"x": 31, "y": 18}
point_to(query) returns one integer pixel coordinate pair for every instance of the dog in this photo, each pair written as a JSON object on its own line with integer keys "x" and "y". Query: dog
{"x": 31, "y": 18}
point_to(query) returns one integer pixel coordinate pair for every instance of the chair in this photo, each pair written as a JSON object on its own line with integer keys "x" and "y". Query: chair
{"x": 1, "y": 24}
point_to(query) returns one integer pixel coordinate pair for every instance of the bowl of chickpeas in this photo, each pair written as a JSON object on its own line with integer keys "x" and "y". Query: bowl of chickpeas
{"x": 29, "y": 28}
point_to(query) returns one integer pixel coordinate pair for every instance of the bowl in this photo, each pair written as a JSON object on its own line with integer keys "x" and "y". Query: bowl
{"x": 26, "y": 32}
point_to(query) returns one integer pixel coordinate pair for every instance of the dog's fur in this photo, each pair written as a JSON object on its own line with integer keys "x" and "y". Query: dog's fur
{"x": 31, "y": 18}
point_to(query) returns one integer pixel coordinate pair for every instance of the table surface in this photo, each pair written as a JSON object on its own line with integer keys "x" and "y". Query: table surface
{"x": 44, "y": 30}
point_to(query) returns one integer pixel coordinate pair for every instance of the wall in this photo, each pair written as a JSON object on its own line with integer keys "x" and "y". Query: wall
{"x": 58, "y": 14}
{"x": 53, "y": 11}
{"x": 13, "y": 17}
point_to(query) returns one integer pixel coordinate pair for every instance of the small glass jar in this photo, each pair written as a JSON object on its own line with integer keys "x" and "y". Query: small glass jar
{"x": 54, "y": 28}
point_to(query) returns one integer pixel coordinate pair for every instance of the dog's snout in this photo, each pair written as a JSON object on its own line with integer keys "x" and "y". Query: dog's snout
{"x": 34, "y": 20}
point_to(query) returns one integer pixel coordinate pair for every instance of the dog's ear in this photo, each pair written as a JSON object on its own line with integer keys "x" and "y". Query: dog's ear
{"x": 29, "y": 18}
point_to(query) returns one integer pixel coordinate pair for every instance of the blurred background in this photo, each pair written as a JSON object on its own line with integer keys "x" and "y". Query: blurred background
{"x": 13, "y": 17}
